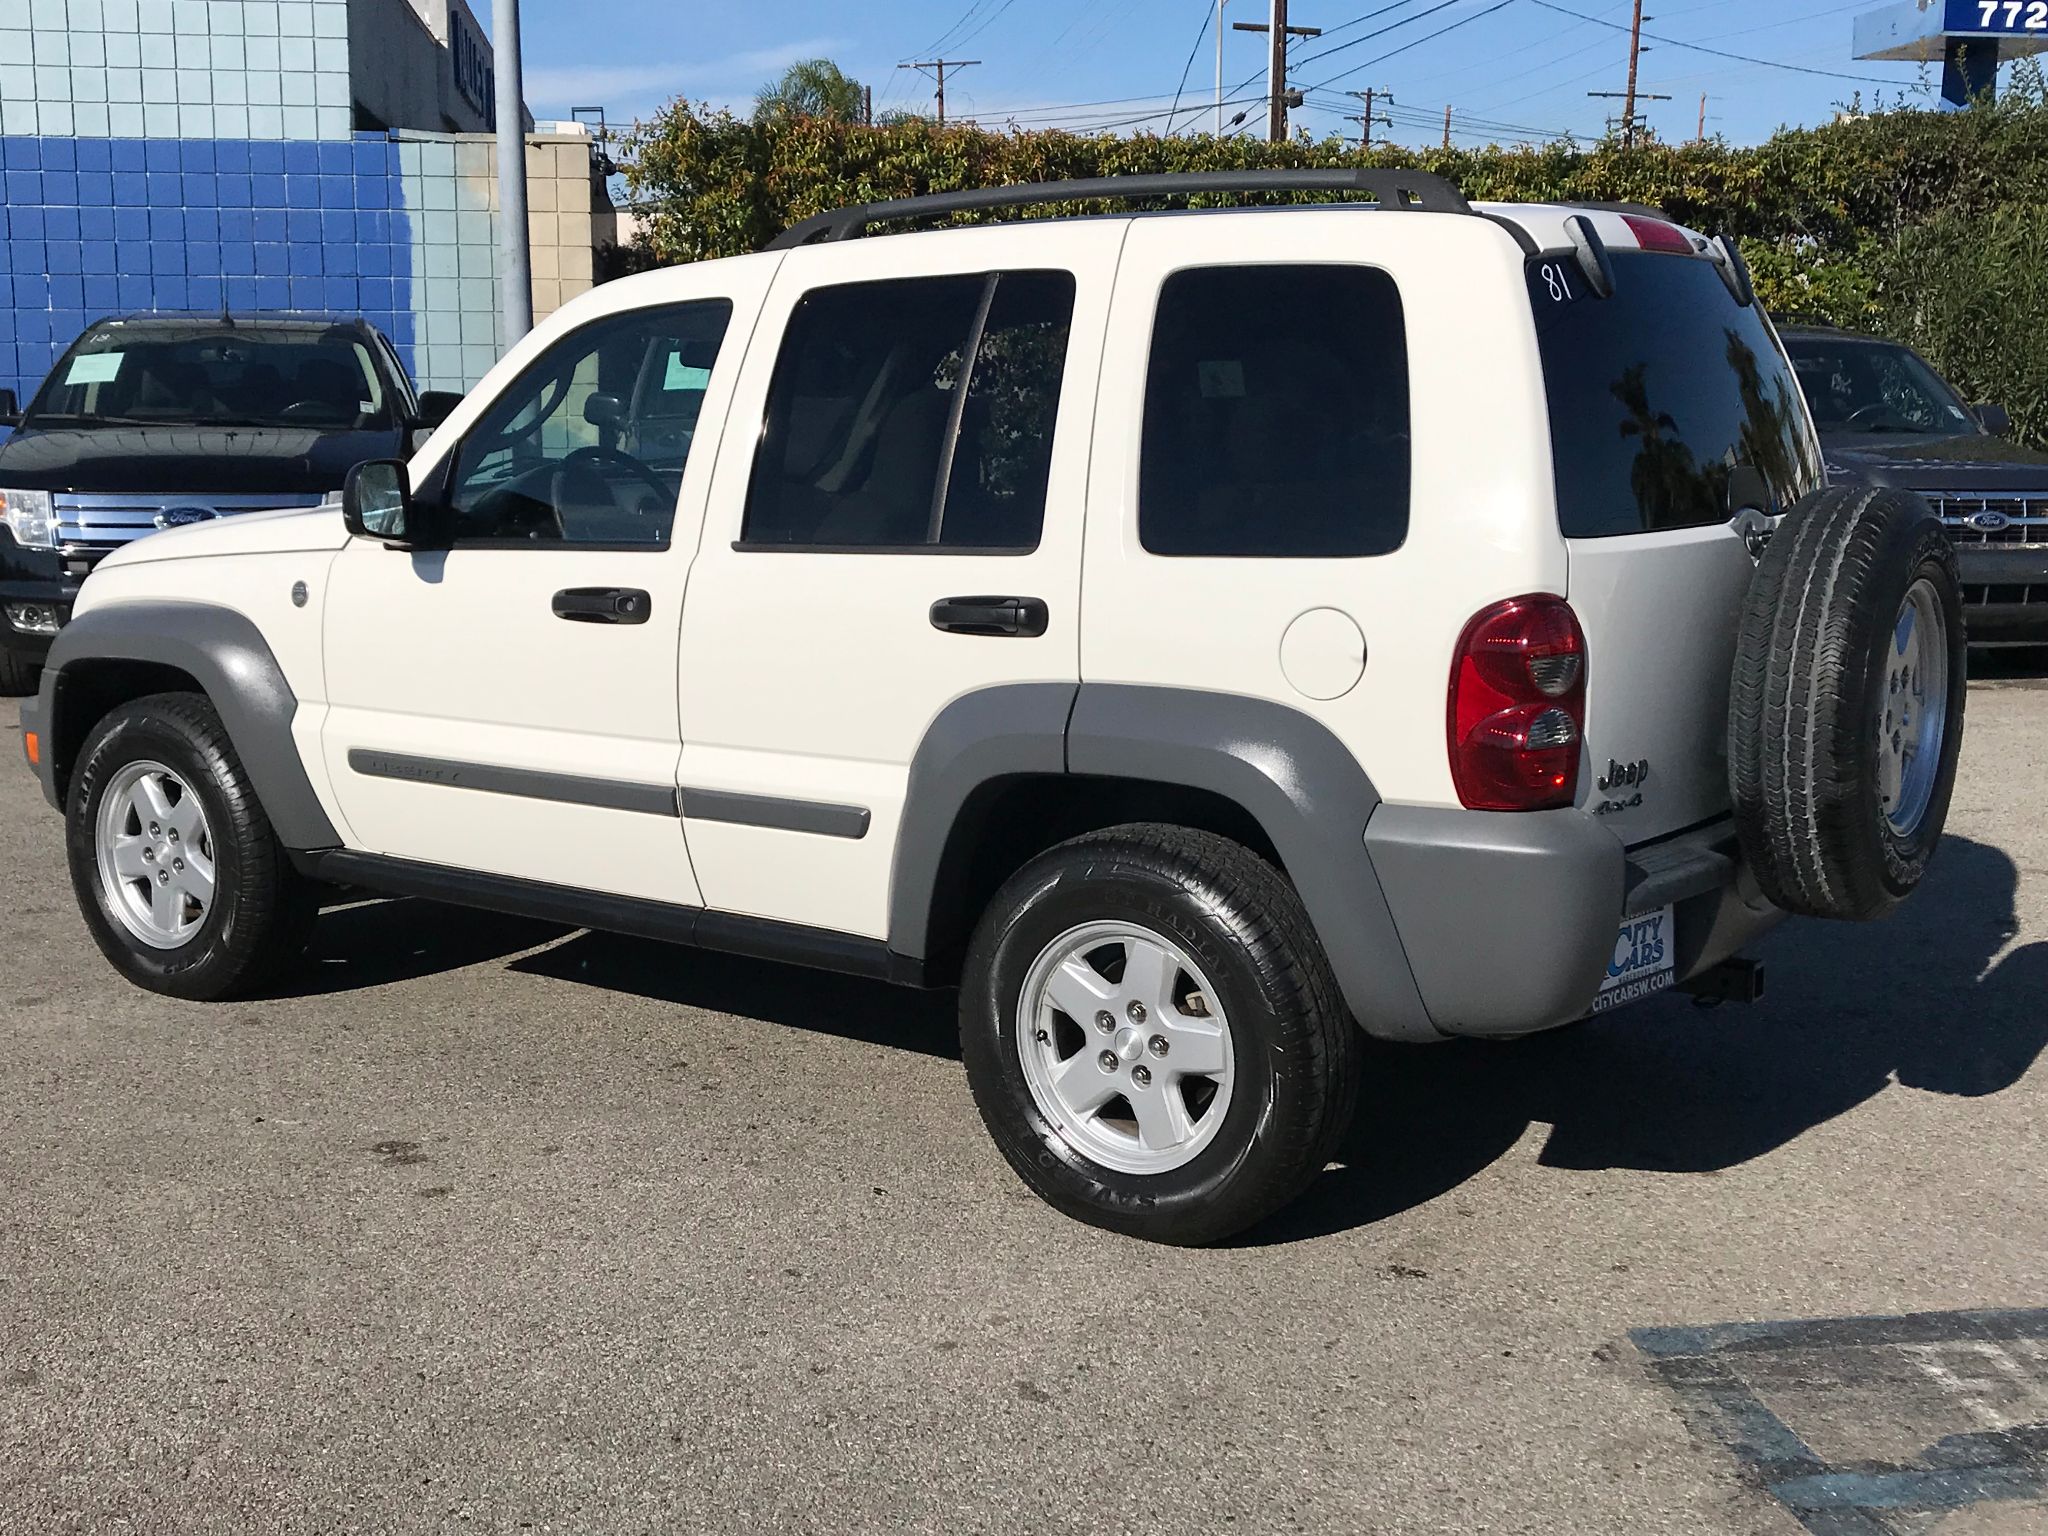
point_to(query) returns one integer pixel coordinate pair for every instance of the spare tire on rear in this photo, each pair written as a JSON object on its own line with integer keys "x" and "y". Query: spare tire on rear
{"x": 1846, "y": 710}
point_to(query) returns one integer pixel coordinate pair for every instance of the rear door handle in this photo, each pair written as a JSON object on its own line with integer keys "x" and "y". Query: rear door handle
{"x": 603, "y": 605}
{"x": 1025, "y": 616}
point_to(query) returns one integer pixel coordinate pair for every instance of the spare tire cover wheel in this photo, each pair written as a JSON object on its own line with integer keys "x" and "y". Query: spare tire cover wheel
{"x": 1846, "y": 708}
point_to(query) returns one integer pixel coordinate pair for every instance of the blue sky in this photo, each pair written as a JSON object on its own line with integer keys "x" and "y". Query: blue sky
{"x": 1509, "y": 69}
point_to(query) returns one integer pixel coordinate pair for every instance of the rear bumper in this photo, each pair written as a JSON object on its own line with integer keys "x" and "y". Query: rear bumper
{"x": 1509, "y": 920}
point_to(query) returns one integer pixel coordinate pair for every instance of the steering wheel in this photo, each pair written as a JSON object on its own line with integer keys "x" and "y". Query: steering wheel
{"x": 590, "y": 459}
{"x": 1876, "y": 412}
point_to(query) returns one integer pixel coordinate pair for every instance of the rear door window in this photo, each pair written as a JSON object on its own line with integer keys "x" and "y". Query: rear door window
{"x": 1276, "y": 414}
{"x": 1659, "y": 394}
{"x": 914, "y": 415}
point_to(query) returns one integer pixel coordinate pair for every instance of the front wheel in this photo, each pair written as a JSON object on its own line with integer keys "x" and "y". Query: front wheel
{"x": 1153, "y": 1036}
{"x": 177, "y": 871}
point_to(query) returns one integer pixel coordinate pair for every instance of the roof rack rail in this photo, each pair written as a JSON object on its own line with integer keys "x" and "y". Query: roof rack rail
{"x": 1419, "y": 190}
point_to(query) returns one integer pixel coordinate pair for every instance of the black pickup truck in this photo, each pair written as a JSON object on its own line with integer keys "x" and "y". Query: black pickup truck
{"x": 1887, "y": 418}
{"x": 152, "y": 421}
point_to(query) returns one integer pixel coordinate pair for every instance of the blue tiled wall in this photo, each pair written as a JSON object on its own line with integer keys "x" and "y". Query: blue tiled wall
{"x": 93, "y": 227}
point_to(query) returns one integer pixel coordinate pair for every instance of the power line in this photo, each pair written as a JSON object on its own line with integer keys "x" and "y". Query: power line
{"x": 993, "y": 17}
{"x": 945, "y": 38}
{"x": 1463, "y": 21}
{"x": 1442, "y": 5}
{"x": 1185, "y": 69}
{"x": 1723, "y": 53}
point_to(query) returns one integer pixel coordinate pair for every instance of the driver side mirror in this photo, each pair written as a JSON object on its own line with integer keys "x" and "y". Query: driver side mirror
{"x": 376, "y": 502}
{"x": 10, "y": 409}
{"x": 1996, "y": 419}
{"x": 435, "y": 407}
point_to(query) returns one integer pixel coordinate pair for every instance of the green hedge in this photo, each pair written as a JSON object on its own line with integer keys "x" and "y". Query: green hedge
{"x": 1929, "y": 226}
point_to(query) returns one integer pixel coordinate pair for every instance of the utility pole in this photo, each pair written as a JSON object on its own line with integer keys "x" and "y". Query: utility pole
{"x": 515, "y": 279}
{"x": 1701, "y": 137}
{"x": 1219, "y": 66}
{"x": 939, "y": 66}
{"x": 1368, "y": 117}
{"x": 1447, "y": 127}
{"x": 1278, "y": 97}
{"x": 867, "y": 106}
{"x": 1630, "y": 96}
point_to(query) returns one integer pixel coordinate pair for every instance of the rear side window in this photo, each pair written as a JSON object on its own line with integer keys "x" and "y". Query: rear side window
{"x": 1660, "y": 394}
{"x": 914, "y": 414}
{"x": 1276, "y": 414}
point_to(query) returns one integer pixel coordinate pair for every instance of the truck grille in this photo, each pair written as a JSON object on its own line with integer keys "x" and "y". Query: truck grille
{"x": 2025, "y": 525}
{"x": 89, "y": 524}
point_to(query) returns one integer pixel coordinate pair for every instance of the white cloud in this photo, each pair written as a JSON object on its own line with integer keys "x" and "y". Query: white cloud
{"x": 613, "y": 85}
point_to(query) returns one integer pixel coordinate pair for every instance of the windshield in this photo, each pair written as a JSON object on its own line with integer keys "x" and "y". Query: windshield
{"x": 212, "y": 373}
{"x": 1874, "y": 387}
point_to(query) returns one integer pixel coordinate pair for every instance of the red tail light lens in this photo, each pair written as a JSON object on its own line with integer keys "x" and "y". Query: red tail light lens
{"x": 1656, "y": 235}
{"x": 1518, "y": 706}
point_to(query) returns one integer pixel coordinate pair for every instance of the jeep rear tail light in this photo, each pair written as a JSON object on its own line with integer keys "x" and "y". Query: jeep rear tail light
{"x": 1518, "y": 706}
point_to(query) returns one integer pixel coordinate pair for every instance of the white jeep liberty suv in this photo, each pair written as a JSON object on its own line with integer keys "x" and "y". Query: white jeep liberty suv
{"x": 1197, "y": 635}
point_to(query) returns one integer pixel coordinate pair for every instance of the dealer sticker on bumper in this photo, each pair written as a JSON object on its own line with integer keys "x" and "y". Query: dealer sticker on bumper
{"x": 1644, "y": 961}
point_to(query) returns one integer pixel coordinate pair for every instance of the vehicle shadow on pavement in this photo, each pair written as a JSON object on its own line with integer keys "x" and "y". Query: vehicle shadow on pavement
{"x": 361, "y": 943}
{"x": 1934, "y": 998}
{"x": 822, "y": 1002}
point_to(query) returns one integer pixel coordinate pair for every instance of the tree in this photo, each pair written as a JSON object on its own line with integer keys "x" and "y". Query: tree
{"x": 810, "y": 88}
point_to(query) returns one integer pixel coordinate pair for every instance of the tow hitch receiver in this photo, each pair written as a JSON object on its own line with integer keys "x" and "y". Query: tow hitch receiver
{"x": 1738, "y": 979}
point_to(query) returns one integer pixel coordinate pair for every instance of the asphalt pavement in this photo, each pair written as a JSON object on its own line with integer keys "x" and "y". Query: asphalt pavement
{"x": 493, "y": 1225}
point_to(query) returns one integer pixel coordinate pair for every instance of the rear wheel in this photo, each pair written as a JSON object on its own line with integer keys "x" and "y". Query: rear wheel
{"x": 1846, "y": 714}
{"x": 1153, "y": 1035}
{"x": 181, "y": 879}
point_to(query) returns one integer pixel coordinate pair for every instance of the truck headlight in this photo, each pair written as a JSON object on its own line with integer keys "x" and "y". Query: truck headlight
{"x": 30, "y": 517}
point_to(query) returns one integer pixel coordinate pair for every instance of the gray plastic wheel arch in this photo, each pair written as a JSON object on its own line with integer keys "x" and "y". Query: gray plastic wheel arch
{"x": 1304, "y": 788}
{"x": 225, "y": 654}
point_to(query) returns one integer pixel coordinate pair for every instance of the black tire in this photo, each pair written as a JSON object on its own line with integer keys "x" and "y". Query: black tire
{"x": 1809, "y": 698}
{"x": 18, "y": 675}
{"x": 1295, "y": 1047}
{"x": 262, "y": 910}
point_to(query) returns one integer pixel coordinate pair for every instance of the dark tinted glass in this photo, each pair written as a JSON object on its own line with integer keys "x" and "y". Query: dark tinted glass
{"x": 206, "y": 372}
{"x": 867, "y": 415}
{"x": 1276, "y": 414}
{"x": 1659, "y": 394}
{"x": 589, "y": 444}
{"x": 1874, "y": 387}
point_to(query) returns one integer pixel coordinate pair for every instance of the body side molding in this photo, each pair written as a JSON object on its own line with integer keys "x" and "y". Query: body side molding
{"x": 227, "y": 656}
{"x": 531, "y": 783}
{"x": 821, "y": 817}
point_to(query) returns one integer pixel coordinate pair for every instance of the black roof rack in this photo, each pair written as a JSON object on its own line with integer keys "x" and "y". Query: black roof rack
{"x": 1419, "y": 190}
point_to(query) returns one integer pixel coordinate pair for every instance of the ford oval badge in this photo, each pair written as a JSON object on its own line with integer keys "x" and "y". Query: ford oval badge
{"x": 185, "y": 516}
{"x": 1989, "y": 522}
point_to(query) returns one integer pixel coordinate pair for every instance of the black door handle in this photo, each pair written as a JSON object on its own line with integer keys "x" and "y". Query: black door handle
{"x": 990, "y": 615}
{"x": 603, "y": 605}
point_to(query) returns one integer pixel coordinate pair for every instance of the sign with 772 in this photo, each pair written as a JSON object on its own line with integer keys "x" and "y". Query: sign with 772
{"x": 1996, "y": 18}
